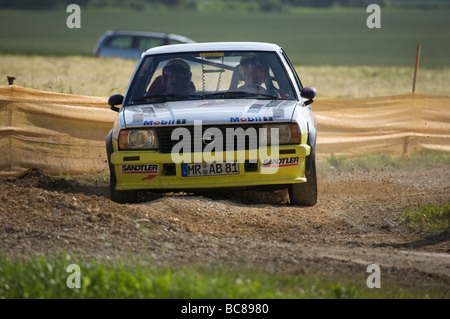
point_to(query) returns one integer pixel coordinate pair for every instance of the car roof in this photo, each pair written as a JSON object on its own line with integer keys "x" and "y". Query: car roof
{"x": 148, "y": 34}
{"x": 214, "y": 46}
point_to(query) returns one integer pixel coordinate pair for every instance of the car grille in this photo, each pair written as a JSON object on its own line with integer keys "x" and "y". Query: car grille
{"x": 240, "y": 135}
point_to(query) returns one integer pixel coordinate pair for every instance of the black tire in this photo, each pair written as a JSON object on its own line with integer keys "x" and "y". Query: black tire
{"x": 121, "y": 197}
{"x": 305, "y": 194}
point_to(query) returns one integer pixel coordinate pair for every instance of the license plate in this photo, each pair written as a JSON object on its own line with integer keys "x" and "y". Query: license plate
{"x": 209, "y": 169}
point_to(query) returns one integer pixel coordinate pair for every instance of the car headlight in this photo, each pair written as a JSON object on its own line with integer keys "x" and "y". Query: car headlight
{"x": 287, "y": 133}
{"x": 138, "y": 139}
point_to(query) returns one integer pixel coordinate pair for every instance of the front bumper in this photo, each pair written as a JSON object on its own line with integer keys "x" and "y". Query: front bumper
{"x": 152, "y": 170}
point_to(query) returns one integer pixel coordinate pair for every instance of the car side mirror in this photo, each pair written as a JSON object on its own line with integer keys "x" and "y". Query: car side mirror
{"x": 116, "y": 99}
{"x": 309, "y": 93}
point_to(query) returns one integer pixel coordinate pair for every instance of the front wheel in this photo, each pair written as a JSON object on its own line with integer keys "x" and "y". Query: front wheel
{"x": 305, "y": 194}
{"x": 121, "y": 197}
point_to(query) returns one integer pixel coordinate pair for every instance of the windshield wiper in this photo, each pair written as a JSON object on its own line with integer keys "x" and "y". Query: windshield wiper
{"x": 224, "y": 95}
{"x": 164, "y": 98}
{"x": 240, "y": 94}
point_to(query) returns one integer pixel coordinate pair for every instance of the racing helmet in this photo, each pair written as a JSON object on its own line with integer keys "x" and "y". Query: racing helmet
{"x": 252, "y": 62}
{"x": 178, "y": 68}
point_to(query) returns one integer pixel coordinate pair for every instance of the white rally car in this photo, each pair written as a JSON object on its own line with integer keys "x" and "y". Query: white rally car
{"x": 213, "y": 115}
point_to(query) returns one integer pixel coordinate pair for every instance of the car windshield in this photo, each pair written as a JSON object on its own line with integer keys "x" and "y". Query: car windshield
{"x": 209, "y": 75}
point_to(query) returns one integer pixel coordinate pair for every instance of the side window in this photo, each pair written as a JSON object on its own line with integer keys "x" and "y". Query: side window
{"x": 120, "y": 42}
{"x": 299, "y": 83}
{"x": 147, "y": 43}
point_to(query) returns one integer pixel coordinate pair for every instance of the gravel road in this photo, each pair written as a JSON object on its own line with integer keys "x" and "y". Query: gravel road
{"x": 355, "y": 223}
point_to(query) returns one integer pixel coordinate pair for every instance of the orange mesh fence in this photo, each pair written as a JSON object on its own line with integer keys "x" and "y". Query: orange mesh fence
{"x": 58, "y": 133}
{"x": 65, "y": 134}
{"x": 398, "y": 125}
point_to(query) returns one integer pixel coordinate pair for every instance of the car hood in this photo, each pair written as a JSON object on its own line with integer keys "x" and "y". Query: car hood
{"x": 244, "y": 111}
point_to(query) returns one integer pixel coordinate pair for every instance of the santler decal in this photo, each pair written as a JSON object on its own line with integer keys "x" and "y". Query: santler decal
{"x": 140, "y": 169}
{"x": 280, "y": 162}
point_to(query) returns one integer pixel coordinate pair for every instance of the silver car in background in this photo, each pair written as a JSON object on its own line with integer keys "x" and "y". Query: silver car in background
{"x": 129, "y": 44}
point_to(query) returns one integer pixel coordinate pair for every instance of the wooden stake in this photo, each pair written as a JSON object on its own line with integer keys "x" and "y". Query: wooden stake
{"x": 415, "y": 69}
{"x": 10, "y": 79}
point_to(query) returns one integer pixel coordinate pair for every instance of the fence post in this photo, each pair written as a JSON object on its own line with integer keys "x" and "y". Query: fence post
{"x": 415, "y": 69}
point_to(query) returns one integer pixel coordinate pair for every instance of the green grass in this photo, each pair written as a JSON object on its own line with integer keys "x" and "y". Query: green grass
{"x": 47, "y": 277}
{"x": 434, "y": 218}
{"x": 385, "y": 162}
{"x": 430, "y": 218}
{"x": 310, "y": 37}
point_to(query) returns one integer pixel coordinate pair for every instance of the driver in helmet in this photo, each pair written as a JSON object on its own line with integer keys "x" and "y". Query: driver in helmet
{"x": 177, "y": 77}
{"x": 254, "y": 72}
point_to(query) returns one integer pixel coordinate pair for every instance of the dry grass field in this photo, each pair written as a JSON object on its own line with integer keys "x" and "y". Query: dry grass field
{"x": 104, "y": 77}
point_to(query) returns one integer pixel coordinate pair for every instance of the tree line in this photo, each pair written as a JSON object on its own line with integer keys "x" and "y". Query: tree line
{"x": 263, "y": 5}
